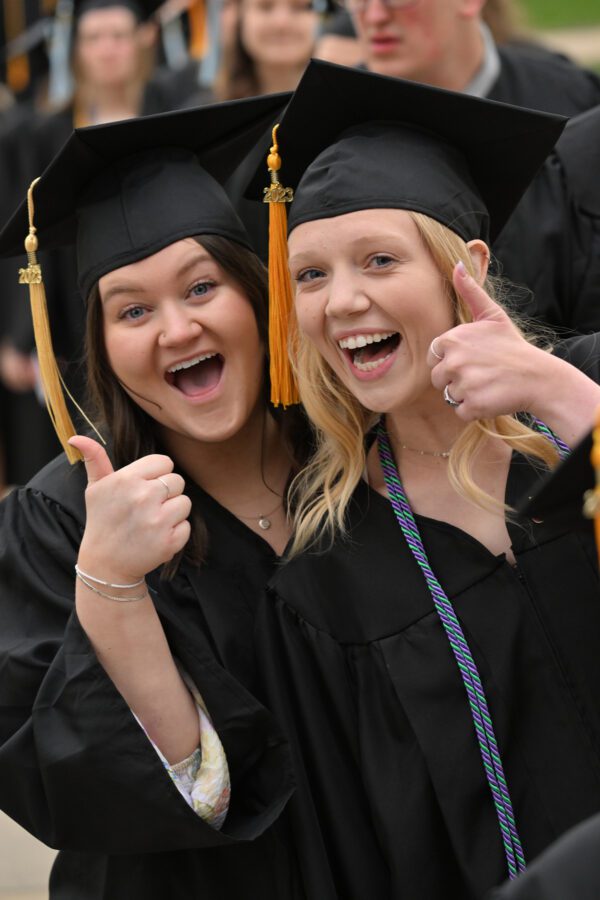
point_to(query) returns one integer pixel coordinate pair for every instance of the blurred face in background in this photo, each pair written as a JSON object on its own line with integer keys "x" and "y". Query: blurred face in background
{"x": 421, "y": 40}
{"x": 278, "y": 32}
{"x": 109, "y": 47}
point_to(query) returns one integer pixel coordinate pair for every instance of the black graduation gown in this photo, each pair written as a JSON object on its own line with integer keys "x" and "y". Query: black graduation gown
{"x": 548, "y": 244}
{"x": 568, "y": 870}
{"x": 77, "y": 771}
{"x": 540, "y": 79}
{"x": 392, "y": 797}
{"x": 551, "y": 243}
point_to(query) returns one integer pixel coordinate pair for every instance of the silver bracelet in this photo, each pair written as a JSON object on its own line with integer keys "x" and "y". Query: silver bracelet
{"x": 106, "y": 583}
{"x": 91, "y": 587}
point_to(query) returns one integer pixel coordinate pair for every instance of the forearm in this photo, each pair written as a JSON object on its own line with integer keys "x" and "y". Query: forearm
{"x": 564, "y": 398}
{"x": 131, "y": 646}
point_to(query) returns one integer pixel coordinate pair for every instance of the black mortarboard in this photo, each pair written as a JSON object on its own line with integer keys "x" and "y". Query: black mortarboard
{"x": 142, "y": 9}
{"x": 126, "y": 190}
{"x": 560, "y": 496}
{"x": 352, "y": 140}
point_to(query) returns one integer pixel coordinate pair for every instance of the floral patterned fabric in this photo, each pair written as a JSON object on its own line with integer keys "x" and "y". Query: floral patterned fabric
{"x": 203, "y": 778}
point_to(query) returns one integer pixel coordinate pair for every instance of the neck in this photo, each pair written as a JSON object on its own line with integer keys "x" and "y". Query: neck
{"x": 245, "y": 473}
{"x": 428, "y": 434}
{"x": 273, "y": 79}
{"x": 107, "y": 104}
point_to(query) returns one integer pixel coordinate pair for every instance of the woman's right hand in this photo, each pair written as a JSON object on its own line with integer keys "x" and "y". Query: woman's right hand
{"x": 136, "y": 516}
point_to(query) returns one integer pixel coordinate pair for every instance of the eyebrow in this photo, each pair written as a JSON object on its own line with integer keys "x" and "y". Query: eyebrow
{"x": 133, "y": 288}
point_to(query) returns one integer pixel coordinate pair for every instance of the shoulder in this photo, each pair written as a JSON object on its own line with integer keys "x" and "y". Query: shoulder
{"x": 62, "y": 484}
{"x": 348, "y": 588}
{"x": 539, "y": 78}
{"x": 579, "y": 152}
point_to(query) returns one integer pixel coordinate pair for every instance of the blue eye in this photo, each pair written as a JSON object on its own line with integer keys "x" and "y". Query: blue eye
{"x": 381, "y": 260}
{"x": 309, "y": 275}
{"x": 201, "y": 288}
{"x": 133, "y": 313}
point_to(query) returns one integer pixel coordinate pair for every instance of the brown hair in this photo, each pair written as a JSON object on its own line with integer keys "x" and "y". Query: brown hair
{"x": 236, "y": 77}
{"x": 133, "y": 432}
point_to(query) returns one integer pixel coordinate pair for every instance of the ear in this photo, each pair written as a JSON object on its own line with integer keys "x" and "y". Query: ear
{"x": 480, "y": 257}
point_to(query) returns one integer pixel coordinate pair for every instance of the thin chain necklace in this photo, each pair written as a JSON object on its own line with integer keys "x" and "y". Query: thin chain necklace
{"x": 444, "y": 454}
{"x": 264, "y": 521}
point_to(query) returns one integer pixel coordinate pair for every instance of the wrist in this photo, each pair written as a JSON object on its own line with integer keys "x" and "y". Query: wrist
{"x": 101, "y": 569}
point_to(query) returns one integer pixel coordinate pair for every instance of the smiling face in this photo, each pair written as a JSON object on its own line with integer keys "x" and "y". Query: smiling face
{"x": 278, "y": 32}
{"x": 371, "y": 299}
{"x": 182, "y": 339}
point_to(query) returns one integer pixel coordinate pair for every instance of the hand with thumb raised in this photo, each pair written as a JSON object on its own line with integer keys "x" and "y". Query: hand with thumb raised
{"x": 489, "y": 368}
{"x": 136, "y": 517}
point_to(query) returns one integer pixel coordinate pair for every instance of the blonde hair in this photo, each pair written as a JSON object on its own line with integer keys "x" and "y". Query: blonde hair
{"x": 321, "y": 492}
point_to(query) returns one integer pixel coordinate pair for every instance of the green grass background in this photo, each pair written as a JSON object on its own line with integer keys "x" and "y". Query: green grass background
{"x": 562, "y": 13}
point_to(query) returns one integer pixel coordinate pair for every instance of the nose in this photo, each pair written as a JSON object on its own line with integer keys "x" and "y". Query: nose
{"x": 281, "y": 15}
{"x": 178, "y": 325}
{"x": 346, "y": 296}
{"x": 376, "y": 12}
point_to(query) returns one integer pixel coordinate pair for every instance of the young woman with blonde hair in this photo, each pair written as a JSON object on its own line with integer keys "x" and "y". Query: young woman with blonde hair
{"x": 432, "y": 654}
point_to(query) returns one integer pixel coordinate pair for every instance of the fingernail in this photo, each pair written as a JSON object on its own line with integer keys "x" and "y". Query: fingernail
{"x": 460, "y": 268}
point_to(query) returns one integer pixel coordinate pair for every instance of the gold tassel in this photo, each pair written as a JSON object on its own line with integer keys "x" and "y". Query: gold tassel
{"x": 15, "y": 23}
{"x": 51, "y": 378}
{"x": 198, "y": 31}
{"x": 283, "y": 384}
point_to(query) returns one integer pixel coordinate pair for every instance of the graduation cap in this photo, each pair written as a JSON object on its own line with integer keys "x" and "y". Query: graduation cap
{"x": 353, "y": 140}
{"x": 142, "y": 9}
{"x": 570, "y": 494}
{"x": 125, "y": 190}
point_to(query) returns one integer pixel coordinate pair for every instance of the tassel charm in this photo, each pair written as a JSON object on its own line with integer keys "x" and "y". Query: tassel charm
{"x": 50, "y": 376}
{"x": 283, "y": 385}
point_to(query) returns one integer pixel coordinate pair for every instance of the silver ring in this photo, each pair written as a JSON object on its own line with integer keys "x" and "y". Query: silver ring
{"x": 449, "y": 399}
{"x": 166, "y": 487}
{"x": 434, "y": 351}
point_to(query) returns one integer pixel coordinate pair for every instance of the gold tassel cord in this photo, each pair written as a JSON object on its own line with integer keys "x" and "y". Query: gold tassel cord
{"x": 198, "y": 31}
{"x": 283, "y": 384}
{"x": 51, "y": 378}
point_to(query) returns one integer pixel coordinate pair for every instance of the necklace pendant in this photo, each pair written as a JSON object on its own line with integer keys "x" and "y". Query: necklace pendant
{"x": 264, "y": 523}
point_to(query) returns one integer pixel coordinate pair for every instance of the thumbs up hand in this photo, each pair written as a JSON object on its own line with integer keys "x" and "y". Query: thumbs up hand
{"x": 136, "y": 516}
{"x": 487, "y": 365}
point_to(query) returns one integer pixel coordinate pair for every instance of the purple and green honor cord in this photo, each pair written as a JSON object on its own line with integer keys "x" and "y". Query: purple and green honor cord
{"x": 480, "y": 712}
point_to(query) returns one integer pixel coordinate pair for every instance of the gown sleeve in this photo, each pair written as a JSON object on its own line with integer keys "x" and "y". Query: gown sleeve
{"x": 76, "y": 770}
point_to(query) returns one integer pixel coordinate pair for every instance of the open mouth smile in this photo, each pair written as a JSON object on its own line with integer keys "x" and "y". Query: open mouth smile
{"x": 196, "y": 376}
{"x": 368, "y": 354}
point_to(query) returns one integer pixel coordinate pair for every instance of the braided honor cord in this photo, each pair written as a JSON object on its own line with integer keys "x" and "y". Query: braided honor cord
{"x": 482, "y": 719}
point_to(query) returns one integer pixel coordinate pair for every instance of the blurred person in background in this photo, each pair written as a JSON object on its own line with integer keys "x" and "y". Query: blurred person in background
{"x": 273, "y": 42}
{"x": 481, "y": 49}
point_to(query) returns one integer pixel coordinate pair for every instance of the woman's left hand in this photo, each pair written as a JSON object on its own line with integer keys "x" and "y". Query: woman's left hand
{"x": 487, "y": 365}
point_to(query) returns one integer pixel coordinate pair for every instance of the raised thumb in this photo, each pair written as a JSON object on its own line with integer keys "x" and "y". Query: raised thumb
{"x": 482, "y": 307}
{"x": 95, "y": 458}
